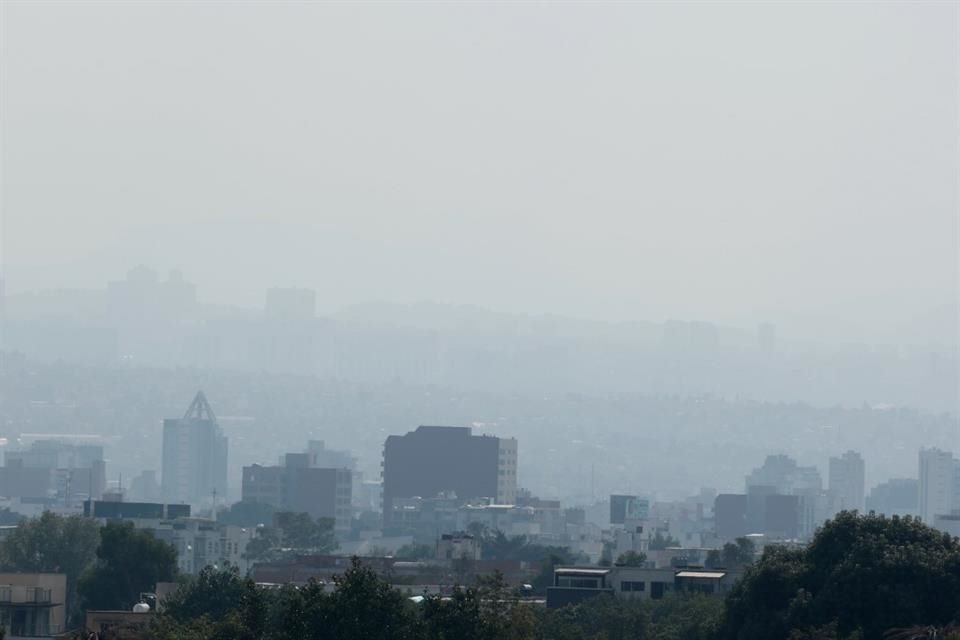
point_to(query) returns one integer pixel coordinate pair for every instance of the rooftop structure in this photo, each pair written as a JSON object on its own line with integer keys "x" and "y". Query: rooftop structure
{"x": 194, "y": 456}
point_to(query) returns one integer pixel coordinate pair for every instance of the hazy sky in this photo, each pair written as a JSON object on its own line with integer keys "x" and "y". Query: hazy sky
{"x": 740, "y": 162}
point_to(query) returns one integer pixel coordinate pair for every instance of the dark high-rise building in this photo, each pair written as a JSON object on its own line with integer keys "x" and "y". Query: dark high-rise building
{"x": 730, "y": 516}
{"x": 782, "y": 516}
{"x": 434, "y": 460}
{"x": 194, "y": 456}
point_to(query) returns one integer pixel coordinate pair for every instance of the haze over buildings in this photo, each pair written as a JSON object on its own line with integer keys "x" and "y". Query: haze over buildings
{"x": 649, "y": 285}
{"x": 194, "y": 455}
{"x": 640, "y": 161}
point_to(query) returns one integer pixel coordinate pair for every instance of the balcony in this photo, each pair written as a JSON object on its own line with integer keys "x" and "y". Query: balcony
{"x": 26, "y": 596}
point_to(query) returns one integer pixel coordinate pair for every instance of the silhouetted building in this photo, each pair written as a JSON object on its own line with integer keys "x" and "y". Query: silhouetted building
{"x": 730, "y": 516}
{"x": 119, "y": 510}
{"x": 298, "y": 486}
{"x": 762, "y": 510}
{"x": 435, "y": 460}
{"x": 194, "y": 456}
{"x": 898, "y": 496}
{"x": 782, "y": 516}
{"x": 846, "y": 481}
{"x": 936, "y": 483}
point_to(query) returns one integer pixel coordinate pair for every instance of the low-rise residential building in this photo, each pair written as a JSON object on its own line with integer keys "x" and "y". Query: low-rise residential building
{"x": 32, "y": 605}
{"x": 119, "y": 625}
{"x": 203, "y": 543}
{"x": 572, "y": 585}
{"x": 200, "y": 542}
{"x": 458, "y": 546}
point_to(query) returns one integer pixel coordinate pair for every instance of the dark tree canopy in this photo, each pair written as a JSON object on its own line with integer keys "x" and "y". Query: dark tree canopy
{"x": 632, "y": 558}
{"x": 51, "y": 543}
{"x": 130, "y": 561}
{"x": 660, "y": 541}
{"x": 734, "y": 555}
{"x": 861, "y": 573}
{"x": 292, "y": 532}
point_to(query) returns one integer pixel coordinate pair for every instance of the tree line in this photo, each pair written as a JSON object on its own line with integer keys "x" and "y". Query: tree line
{"x": 863, "y": 577}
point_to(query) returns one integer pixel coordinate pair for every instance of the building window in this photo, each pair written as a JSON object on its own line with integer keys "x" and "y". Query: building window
{"x": 657, "y": 589}
{"x": 579, "y": 583}
{"x": 633, "y": 586}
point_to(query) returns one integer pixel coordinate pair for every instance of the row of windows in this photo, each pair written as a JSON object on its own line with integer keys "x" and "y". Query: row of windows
{"x": 633, "y": 586}
{"x": 581, "y": 583}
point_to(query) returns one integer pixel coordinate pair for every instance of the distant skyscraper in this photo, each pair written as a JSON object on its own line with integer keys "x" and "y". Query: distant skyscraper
{"x": 432, "y": 460}
{"x": 846, "y": 481}
{"x": 936, "y": 483}
{"x": 194, "y": 455}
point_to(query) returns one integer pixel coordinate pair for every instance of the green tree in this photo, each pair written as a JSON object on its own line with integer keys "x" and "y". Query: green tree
{"x": 498, "y": 546}
{"x": 265, "y": 545}
{"x": 487, "y": 611}
{"x": 217, "y": 603}
{"x": 129, "y": 561}
{"x": 862, "y": 573}
{"x": 659, "y": 541}
{"x": 733, "y": 555}
{"x": 601, "y": 617}
{"x": 632, "y": 558}
{"x": 51, "y": 543}
{"x": 454, "y": 618}
{"x": 685, "y": 617}
{"x": 544, "y": 577}
{"x": 300, "y": 531}
{"x": 362, "y": 606}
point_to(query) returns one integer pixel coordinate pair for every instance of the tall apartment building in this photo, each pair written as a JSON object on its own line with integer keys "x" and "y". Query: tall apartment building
{"x": 299, "y": 485}
{"x": 937, "y": 471}
{"x": 194, "y": 456}
{"x": 846, "y": 481}
{"x": 435, "y": 460}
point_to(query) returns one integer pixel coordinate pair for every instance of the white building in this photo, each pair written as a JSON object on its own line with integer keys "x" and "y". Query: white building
{"x": 936, "y": 483}
{"x": 846, "y": 481}
{"x": 202, "y": 543}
